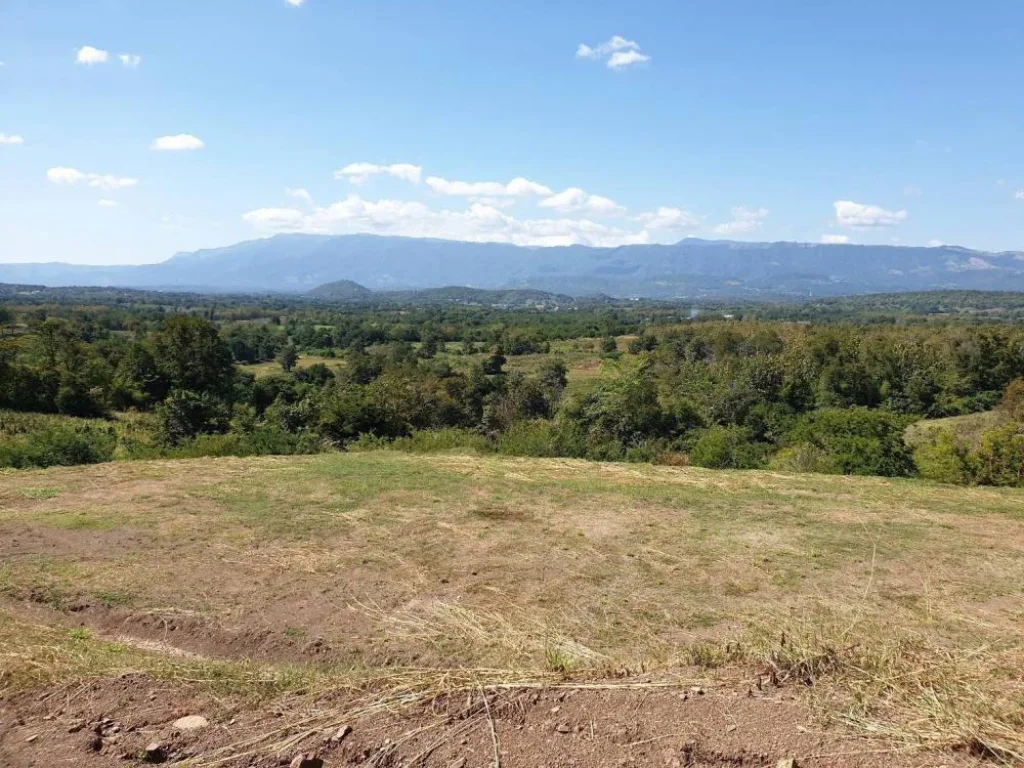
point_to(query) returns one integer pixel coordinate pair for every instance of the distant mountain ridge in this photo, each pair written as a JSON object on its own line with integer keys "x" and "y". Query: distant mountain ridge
{"x": 690, "y": 268}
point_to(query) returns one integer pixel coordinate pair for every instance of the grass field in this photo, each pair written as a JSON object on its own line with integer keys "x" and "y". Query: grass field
{"x": 901, "y": 601}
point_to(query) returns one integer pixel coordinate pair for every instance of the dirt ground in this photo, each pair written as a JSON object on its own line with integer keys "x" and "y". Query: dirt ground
{"x": 132, "y": 719}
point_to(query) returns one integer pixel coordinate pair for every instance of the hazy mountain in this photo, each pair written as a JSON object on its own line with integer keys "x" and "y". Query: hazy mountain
{"x": 692, "y": 267}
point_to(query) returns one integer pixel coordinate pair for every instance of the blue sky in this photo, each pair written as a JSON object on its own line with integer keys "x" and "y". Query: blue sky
{"x": 874, "y": 122}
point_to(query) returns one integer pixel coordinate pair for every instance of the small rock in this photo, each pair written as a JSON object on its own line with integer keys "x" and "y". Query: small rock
{"x": 697, "y": 690}
{"x": 32, "y": 738}
{"x": 563, "y": 728}
{"x": 555, "y": 710}
{"x": 75, "y": 726}
{"x": 155, "y": 753}
{"x": 191, "y": 723}
{"x": 307, "y": 761}
{"x": 341, "y": 733}
{"x": 787, "y": 762}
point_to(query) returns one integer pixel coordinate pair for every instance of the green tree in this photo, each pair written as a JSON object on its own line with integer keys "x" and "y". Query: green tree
{"x": 193, "y": 356}
{"x": 288, "y": 357}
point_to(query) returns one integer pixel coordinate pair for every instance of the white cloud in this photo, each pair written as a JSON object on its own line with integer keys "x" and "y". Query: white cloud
{"x": 623, "y": 59}
{"x": 357, "y": 173}
{"x": 108, "y": 203}
{"x": 300, "y": 193}
{"x": 860, "y": 216}
{"x": 89, "y": 55}
{"x": 743, "y": 220}
{"x": 835, "y": 239}
{"x": 71, "y": 176}
{"x": 575, "y": 199}
{"x": 478, "y": 223}
{"x": 131, "y": 60}
{"x": 1019, "y": 195}
{"x": 935, "y": 243}
{"x": 178, "y": 142}
{"x": 295, "y": 3}
{"x": 618, "y": 51}
{"x": 670, "y": 219}
{"x": 11, "y": 139}
{"x": 518, "y": 187}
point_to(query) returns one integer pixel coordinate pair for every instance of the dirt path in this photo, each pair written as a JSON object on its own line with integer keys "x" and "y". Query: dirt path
{"x": 114, "y": 722}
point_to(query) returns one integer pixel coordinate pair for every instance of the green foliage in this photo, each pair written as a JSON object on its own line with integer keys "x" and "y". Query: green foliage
{"x": 35, "y": 440}
{"x": 1013, "y": 400}
{"x": 856, "y": 441}
{"x": 941, "y": 457}
{"x": 185, "y": 414}
{"x": 730, "y": 447}
{"x": 1000, "y": 461}
{"x": 288, "y": 357}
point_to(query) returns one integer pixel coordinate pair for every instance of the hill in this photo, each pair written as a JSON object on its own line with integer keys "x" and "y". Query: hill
{"x": 341, "y": 290}
{"x": 691, "y": 268}
{"x": 555, "y": 612}
{"x": 348, "y": 291}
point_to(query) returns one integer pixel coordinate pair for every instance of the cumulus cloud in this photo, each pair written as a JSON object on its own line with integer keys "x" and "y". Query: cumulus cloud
{"x": 575, "y": 199}
{"x": 358, "y": 173}
{"x": 177, "y": 143}
{"x": 623, "y": 59}
{"x": 669, "y": 219}
{"x": 478, "y": 223}
{"x": 89, "y": 55}
{"x": 72, "y": 176}
{"x": 743, "y": 220}
{"x": 518, "y": 187}
{"x": 860, "y": 216}
{"x": 835, "y": 239}
{"x": 11, "y": 139}
{"x": 295, "y": 3}
{"x": 618, "y": 52}
{"x": 108, "y": 203}
{"x": 130, "y": 60}
{"x": 299, "y": 193}
{"x": 1019, "y": 195}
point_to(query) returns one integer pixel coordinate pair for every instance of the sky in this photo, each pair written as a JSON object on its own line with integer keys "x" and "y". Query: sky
{"x": 134, "y": 129}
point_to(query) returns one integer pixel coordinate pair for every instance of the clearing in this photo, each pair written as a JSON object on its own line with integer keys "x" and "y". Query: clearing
{"x": 479, "y": 611}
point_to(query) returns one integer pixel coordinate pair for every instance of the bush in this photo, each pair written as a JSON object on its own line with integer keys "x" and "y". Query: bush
{"x": 805, "y": 458}
{"x": 1013, "y": 400}
{"x": 727, "y": 448}
{"x": 45, "y": 441}
{"x": 544, "y": 437}
{"x": 185, "y": 414}
{"x": 857, "y": 441}
{"x": 941, "y": 457}
{"x": 1001, "y": 457}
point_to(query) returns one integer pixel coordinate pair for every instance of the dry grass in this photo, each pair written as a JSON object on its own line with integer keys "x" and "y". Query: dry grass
{"x": 897, "y": 603}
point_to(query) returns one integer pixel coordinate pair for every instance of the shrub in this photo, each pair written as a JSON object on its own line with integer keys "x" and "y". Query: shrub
{"x": 1001, "y": 457}
{"x": 544, "y": 437}
{"x": 805, "y": 457}
{"x": 1013, "y": 400}
{"x": 727, "y": 448}
{"x": 857, "y": 441}
{"x": 941, "y": 457}
{"x": 44, "y": 441}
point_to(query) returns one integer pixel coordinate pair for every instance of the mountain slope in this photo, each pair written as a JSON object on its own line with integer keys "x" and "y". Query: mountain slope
{"x": 692, "y": 267}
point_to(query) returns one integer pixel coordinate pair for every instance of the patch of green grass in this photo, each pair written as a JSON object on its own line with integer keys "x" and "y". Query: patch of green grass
{"x": 40, "y": 494}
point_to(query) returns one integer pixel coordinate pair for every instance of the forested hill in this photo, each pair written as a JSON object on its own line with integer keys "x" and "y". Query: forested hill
{"x": 348, "y": 291}
{"x": 691, "y": 268}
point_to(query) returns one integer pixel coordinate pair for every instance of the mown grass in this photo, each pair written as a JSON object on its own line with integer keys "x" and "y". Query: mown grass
{"x": 900, "y": 600}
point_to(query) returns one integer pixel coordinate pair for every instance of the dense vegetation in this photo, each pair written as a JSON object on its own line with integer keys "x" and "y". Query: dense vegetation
{"x": 91, "y": 375}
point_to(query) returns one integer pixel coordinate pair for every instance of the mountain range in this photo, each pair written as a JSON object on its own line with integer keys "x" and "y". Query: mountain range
{"x": 298, "y": 263}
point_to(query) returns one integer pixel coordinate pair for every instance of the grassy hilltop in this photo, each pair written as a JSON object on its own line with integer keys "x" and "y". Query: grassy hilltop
{"x": 397, "y": 575}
